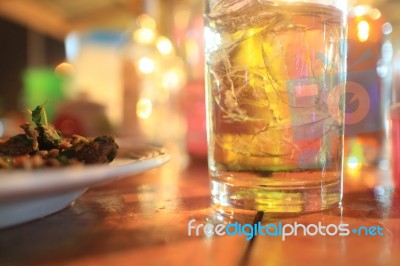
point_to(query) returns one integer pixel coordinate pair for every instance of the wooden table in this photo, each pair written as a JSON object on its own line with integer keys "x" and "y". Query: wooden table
{"x": 143, "y": 220}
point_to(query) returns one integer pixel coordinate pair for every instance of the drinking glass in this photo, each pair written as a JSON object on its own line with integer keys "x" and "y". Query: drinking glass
{"x": 275, "y": 80}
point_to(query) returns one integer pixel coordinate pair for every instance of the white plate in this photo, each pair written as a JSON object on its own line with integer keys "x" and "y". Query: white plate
{"x": 28, "y": 195}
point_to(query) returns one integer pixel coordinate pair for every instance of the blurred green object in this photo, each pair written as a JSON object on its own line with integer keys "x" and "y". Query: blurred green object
{"x": 41, "y": 85}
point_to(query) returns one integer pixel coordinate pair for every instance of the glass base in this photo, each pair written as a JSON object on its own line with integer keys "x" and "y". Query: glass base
{"x": 242, "y": 198}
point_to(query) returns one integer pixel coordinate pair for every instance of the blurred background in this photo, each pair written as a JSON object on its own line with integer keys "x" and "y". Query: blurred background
{"x": 135, "y": 68}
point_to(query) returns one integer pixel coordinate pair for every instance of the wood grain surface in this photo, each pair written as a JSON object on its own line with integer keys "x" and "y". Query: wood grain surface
{"x": 143, "y": 220}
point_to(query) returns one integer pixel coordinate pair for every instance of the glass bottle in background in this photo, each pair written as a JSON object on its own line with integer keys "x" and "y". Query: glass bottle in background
{"x": 188, "y": 34}
{"x": 153, "y": 77}
{"x": 94, "y": 86}
{"x": 368, "y": 85}
{"x": 395, "y": 121}
{"x": 385, "y": 72}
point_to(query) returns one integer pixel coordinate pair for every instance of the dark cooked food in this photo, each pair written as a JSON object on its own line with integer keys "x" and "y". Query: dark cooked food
{"x": 100, "y": 150}
{"x": 18, "y": 145}
{"x": 43, "y": 146}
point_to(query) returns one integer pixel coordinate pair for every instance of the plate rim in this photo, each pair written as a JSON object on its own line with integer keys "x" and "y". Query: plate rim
{"x": 21, "y": 184}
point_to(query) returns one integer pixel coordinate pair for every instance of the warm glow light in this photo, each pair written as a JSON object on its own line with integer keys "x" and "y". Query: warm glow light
{"x": 171, "y": 80}
{"x": 361, "y": 10}
{"x": 64, "y": 69}
{"x": 353, "y": 163}
{"x": 144, "y": 108}
{"x": 363, "y": 31}
{"x": 146, "y": 21}
{"x": 164, "y": 46}
{"x": 146, "y": 65}
{"x": 144, "y": 35}
{"x": 375, "y": 14}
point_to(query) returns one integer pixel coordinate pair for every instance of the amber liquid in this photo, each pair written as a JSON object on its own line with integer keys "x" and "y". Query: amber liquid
{"x": 272, "y": 72}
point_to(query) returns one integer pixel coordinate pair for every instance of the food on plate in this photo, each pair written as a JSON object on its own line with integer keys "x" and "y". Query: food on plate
{"x": 43, "y": 146}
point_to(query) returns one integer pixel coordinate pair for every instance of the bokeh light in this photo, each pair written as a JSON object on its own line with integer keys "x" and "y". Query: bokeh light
{"x": 144, "y": 35}
{"x": 363, "y": 31}
{"x": 64, "y": 69}
{"x": 164, "y": 46}
{"x": 146, "y": 65}
{"x": 144, "y": 108}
